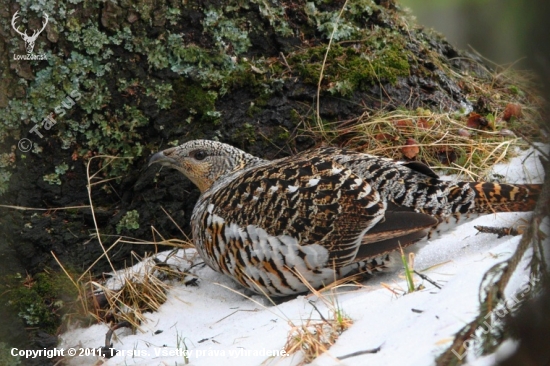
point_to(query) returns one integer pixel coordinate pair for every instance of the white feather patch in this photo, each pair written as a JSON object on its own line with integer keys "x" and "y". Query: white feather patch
{"x": 316, "y": 255}
{"x": 313, "y": 182}
{"x": 292, "y": 189}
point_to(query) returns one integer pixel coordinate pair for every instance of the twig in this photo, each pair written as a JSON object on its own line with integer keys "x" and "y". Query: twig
{"x": 533, "y": 145}
{"x": 89, "y": 188}
{"x": 426, "y": 278}
{"x": 359, "y": 353}
{"x": 284, "y": 60}
{"x": 321, "y": 74}
{"x": 43, "y": 209}
{"x": 174, "y": 222}
{"x": 318, "y": 312}
{"x": 499, "y": 231}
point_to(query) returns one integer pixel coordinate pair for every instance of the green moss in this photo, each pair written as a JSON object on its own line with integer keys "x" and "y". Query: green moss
{"x": 90, "y": 64}
{"x": 258, "y": 104}
{"x": 246, "y": 133}
{"x": 116, "y": 133}
{"x": 225, "y": 30}
{"x": 284, "y": 134}
{"x": 6, "y": 357}
{"x": 6, "y": 160}
{"x": 514, "y": 90}
{"x": 276, "y": 15}
{"x": 162, "y": 92}
{"x": 54, "y": 178}
{"x": 210, "y": 68}
{"x": 253, "y": 109}
{"x": 42, "y": 300}
{"x": 4, "y": 181}
{"x": 89, "y": 39}
{"x": 143, "y": 7}
{"x": 198, "y": 101}
{"x": 130, "y": 221}
{"x": 328, "y": 23}
{"x": 357, "y": 66}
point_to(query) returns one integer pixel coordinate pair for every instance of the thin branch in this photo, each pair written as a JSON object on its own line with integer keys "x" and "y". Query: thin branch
{"x": 21, "y": 208}
{"x": 318, "y": 116}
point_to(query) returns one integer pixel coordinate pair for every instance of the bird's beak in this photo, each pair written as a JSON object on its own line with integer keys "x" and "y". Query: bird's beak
{"x": 162, "y": 159}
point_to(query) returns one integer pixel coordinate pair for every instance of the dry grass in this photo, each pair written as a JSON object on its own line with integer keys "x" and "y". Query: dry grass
{"x": 136, "y": 290}
{"x": 314, "y": 337}
{"x": 130, "y": 292}
{"x": 442, "y": 139}
{"x": 320, "y": 81}
{"x": 139, "y": 290}
{"x": 511, "y": 117}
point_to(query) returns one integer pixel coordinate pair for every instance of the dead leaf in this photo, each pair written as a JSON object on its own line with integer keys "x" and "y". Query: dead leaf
{"x": 411, "y": 149}
{"x": 511, "y": 110}
{"x": 385, "y": 137}
{"x": 403, "y": 124}
{"x": 423, "y": 123}
{"x": 477, "y": 121}
{"x": 483, "y": 105}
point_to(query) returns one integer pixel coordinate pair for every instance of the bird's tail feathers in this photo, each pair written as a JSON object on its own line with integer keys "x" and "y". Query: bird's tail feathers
{"x": 500, "y": 197}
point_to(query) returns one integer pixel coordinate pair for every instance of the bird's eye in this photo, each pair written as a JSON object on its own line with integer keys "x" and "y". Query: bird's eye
{"x": 198, "y": 154}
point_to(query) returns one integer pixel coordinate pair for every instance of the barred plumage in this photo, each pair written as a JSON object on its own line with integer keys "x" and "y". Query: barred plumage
{"x": 320, "y": 214}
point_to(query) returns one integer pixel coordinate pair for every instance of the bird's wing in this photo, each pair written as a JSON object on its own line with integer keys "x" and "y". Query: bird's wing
{"x": 401, "y": 227}
{"x": 314, "y": 200}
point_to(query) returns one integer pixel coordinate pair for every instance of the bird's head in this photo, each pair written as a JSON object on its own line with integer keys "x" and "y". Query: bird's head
{"x": 204, "y": 161}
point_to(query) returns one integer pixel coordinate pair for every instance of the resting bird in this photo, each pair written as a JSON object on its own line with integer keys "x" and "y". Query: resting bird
{"x": 322, "y": 214}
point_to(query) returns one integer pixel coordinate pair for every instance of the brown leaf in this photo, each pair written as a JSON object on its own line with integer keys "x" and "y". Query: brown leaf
{"x": 411, "y": 149}
{"x": 404, "y": 124}
{"x": 477, "y": 121}
{"x": 511, "y": 110}
{"x": 423, "y": 123}
{"x": 385, "y": 137}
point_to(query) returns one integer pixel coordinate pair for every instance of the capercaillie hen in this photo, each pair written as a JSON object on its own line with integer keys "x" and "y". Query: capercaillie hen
{"x": 321, "y": 214}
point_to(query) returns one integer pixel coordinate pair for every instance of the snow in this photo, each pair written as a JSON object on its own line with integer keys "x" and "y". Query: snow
{"x": 219, "y": 326}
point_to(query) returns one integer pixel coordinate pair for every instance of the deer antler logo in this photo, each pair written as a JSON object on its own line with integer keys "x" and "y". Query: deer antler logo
{"x": 29, "y": 40}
